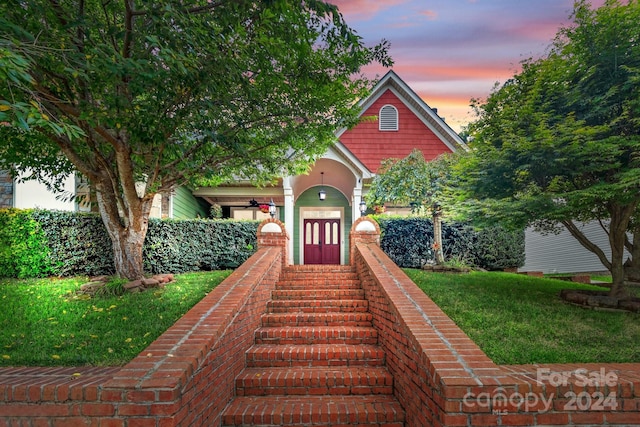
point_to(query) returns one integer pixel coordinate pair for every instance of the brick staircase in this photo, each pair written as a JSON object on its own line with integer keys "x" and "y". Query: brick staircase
{"x": 315, "y": 361}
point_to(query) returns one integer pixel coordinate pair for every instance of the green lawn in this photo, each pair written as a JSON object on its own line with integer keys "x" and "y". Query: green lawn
{"x": 43, "y": 324}
{"x": 517, "y": 319}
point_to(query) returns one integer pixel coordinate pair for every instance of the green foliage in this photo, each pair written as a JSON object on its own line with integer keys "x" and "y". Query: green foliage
{"x": 497, "y": 248}
{"x": 37, "y": 243}
{"x": 178, "y": 246}
{"x": 516, "y": 319}
{"x": 215, "y": 211}
{"x": 152, "y": 96}
{"x": 43, "y": 323}
{"x": 114, "y": 287}
{"x": 559, "y": 143}
{"x": 412, "y": 181}
{"x": 78, "y": 243}
{"x": 23, "y": 248}
{"x": 408, "y": 242}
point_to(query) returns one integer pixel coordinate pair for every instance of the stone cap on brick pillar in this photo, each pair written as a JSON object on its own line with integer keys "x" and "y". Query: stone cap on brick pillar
{"x": 364, "y": 230}
{"x": 271, "y": 232}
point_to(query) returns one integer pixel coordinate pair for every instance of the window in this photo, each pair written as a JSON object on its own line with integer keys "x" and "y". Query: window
{"x": 388, "y": 118}
{"x": 250, "y": 214}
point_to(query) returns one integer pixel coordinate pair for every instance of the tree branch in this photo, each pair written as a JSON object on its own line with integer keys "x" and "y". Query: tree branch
{"x": 128, "y": 28}
{"x": 586, "y": 243}
{"x": 74, "y": 113}
{"x": 72, "y": 155}
{"x": 59, "y": 12}
{"x": 206, "y": 8}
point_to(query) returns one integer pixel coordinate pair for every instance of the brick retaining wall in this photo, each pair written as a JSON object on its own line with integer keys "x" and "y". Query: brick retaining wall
{"x": 442, "y": 378}
{"x": 184, "y": 378}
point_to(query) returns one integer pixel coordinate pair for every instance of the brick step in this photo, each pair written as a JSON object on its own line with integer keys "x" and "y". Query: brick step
{"x": 314, "y": 381}
{"x": 317, "y": 306}
{"x": 316, "y": 335}
{"x": 314, "y": 355}
{"x": 315, "y": 294}
{"x": 318, "y": 284}
{"x": 310, "y": 276}
{"x": 369, "y": 411}
{"x": 317, "y": 319}
{"x": 318, "y": 269}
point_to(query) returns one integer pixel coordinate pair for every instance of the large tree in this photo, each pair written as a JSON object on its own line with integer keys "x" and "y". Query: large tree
{"x": 559, "y": 143}
{"x": 142, "y": 97}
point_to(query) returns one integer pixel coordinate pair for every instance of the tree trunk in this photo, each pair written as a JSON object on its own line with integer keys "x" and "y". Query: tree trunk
{"x": 127, "y": 233}
{"x": 437, "y": 239}
{"x": 620, "y": 216}
{"x": 127, "y": 253}
{"x": 617, "y": 238}
{"x": 632, "y": 264}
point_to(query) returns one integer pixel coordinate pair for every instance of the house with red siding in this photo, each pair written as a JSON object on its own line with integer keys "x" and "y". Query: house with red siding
{"x": 319, "y": 207}
{"x": 395, "y": 120}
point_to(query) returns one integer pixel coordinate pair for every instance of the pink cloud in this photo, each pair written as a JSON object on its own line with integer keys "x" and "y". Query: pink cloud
{"x": 430, "y": 14}
{"x": 364, "y": 9}
{"x": 449, "y": 52}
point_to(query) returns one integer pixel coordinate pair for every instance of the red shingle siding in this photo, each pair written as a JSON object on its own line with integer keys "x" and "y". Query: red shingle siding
{"x": 371, "y": 145}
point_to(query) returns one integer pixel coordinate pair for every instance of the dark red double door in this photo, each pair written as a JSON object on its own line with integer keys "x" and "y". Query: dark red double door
{"x": 322, "y": 241}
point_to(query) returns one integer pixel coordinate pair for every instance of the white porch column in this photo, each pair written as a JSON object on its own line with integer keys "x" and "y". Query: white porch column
{"x": 288, "y": 215}
{"x": 357, "y": 198}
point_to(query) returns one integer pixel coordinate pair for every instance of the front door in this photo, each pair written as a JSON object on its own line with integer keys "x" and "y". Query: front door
{"x": 322, "y": 241}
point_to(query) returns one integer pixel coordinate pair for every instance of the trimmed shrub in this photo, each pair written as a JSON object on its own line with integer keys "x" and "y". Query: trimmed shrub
{"x": 37, "y": 243}
{"x": 78, "y": 243}
{"x": 408, "y": 243}
{"x": 499, "y": 248}
{"x": 177, "y": 246}
{"x": 23, "y": 248}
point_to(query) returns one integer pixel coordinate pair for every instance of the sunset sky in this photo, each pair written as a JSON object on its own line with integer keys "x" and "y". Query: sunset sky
{"x": 449, "y": 51}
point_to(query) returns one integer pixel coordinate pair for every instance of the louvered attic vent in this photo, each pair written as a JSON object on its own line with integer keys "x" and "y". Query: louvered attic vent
{"x": 388, "y": 118}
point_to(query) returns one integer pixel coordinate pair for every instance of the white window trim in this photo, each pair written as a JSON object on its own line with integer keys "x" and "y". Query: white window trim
{"x": 390, "y": 124}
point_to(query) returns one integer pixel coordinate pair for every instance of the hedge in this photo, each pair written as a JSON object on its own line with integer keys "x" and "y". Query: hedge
{"x": 38, "y": 243}
{"x": 408, "y": 242}
{"x": 23, "y": 251}
{"x": 178, "y": 246}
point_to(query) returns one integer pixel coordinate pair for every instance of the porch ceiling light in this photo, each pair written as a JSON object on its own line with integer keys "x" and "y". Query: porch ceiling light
{"x": 363, "y": 207}
{"x": 322, "y": 195}
{"x": 272, "y": 209}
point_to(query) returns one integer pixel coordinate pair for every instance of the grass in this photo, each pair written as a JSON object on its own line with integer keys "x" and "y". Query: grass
{"x": 43, "y": 323}
{"x": 517, "y": 319}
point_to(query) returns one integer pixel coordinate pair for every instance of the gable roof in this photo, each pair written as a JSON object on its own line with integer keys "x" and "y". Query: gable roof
{"x": 430, "y": 118}
{"x": 434, "y": 126}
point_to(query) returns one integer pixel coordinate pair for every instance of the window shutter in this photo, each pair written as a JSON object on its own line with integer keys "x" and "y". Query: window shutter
{"x": 388, "y": 118}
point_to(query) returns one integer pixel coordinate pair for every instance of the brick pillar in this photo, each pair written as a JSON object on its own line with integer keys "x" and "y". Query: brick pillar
{"x": 271, "y": 232}
{"x": 363, "y": 230}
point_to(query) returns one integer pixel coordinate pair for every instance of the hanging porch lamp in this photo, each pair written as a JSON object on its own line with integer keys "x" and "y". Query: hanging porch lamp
{"x": 322, "y": 194}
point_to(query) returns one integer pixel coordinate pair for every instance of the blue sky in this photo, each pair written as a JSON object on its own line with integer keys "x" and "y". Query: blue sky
{"x": 450, "y": 51}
